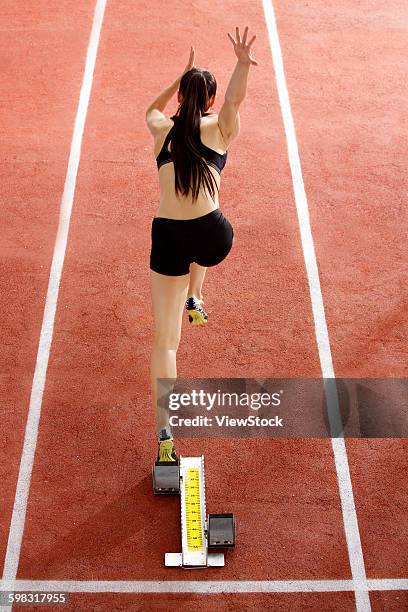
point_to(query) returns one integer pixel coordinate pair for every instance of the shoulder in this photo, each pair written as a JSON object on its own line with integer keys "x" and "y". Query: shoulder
{"x": 211, "y": 125}
{"x": 157, "y": 122}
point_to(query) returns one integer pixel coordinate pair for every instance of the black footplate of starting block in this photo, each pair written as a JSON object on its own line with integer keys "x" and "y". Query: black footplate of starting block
{"x": 221, "y": 530}
{"x": 166, "y": 478}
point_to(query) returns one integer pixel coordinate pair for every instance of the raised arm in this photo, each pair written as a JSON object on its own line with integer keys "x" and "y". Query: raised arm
{"x": 228, "y": 117}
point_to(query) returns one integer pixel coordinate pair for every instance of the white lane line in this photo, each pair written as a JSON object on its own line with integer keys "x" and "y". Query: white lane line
{"x": 31, "y": 432}
{"x": 202, "y": 586}
{"x": 352, "y": 533}
{"x": 183, "y": 586}
{"x": 387, "y": 584}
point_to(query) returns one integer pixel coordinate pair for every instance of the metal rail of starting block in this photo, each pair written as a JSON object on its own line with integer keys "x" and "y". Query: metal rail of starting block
{"x": 201, "y": 539}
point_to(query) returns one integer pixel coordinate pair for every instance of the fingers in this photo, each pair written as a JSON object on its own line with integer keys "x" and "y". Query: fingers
{"x": 245, "y": 35}
{"x": 244, "y": 38}
{"x": 237, "y": 34}
{"x": 230, "y": 37}
{"x": 190, "y": 63}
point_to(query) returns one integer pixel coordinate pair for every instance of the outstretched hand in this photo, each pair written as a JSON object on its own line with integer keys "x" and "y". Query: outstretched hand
{"x": 190, "y": 63}
{"x": 242, "y": 50}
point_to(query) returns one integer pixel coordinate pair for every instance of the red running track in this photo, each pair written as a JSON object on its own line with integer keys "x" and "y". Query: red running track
{"x": 91, "y": 515}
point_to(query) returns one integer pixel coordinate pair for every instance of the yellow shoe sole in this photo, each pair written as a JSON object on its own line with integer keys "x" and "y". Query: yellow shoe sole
{"x": 196, "y": 318}
{"x": 166, "y": 451}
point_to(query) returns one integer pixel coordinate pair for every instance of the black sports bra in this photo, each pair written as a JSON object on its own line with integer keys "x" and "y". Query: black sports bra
{"x": 214, "y": 159}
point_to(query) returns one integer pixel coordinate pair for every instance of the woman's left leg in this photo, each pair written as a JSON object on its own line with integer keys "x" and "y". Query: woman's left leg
{"x": 169, "y": 294}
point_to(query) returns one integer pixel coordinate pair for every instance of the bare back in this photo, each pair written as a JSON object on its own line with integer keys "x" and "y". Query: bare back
{"x": 175, "y": 206}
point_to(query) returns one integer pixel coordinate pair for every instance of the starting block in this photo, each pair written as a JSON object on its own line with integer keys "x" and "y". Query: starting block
{"x": 201, "y": 539}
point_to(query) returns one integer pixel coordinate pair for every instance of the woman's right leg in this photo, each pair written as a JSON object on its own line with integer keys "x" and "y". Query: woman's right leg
{"x": 214, "y": 240}
{"x": 197, "y": 274}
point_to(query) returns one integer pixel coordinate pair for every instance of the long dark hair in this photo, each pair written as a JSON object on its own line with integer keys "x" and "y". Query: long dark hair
{"x": 196, "y": 86}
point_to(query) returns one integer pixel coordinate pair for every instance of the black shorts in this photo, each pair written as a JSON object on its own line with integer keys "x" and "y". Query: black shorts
{"x": 176, "y": 243}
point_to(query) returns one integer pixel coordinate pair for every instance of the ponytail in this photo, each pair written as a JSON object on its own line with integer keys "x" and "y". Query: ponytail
{"x": 197, "y": 86}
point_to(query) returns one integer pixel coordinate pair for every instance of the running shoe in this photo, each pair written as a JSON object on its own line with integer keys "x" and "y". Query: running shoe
{"x": 167, "y": 452}
{"x": 196, "y": 314}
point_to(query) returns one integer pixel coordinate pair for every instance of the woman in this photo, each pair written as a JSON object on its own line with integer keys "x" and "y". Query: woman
{"x": 189, "y": 232}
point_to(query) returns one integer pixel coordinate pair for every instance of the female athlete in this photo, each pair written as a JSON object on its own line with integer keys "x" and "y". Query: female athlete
{"x": 189, "y": 233}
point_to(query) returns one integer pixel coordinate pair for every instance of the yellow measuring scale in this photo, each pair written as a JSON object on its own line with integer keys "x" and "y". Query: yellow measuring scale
{"x": 193, "y": 510}
{"x": 193, "y": 524}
